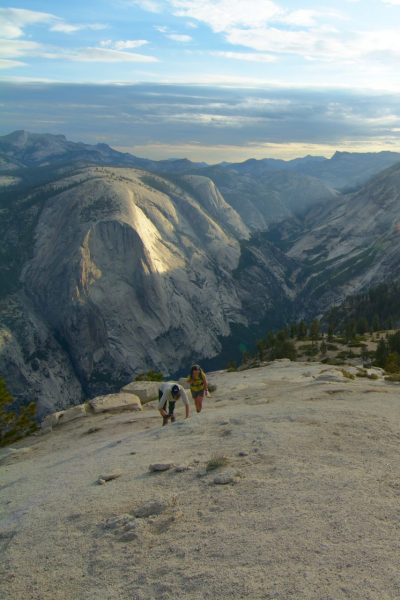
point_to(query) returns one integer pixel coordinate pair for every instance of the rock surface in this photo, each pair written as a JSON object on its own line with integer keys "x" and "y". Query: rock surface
{"x": 145, "y": 390}
{"x": 115, "y": 403}
{"x": 321, "y": 492}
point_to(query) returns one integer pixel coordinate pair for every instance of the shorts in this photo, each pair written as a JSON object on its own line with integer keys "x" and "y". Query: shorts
{"x": 197, "y": 393}
{"x": 171, "y": 405}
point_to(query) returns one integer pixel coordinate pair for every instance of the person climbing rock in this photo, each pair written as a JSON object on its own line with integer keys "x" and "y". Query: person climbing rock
{"x": 170, "y": 392}
{"x": 198, "y": 386}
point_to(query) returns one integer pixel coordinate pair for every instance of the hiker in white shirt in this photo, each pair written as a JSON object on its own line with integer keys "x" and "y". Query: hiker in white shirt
{"x": 170, "y": 392}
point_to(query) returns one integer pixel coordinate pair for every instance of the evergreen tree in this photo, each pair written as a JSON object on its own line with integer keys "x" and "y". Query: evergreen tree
{"x": 262, "y": 348}
{"x": 376, "y": 325}
{"x": 314, "y": 330}
{"x": 302, "y": 330}
{"x": 284, "y": 349}
{"x": 350, "y": 331}
{"x": 394, "y": 342}
{"x": 381, "y": 354}
{"x": 271, "y": 340}
{"x": 282, "y": 335}
{"x": 392, "y": 364}
{"x": 14, "y": 424}
{"x": 362, "y": 326}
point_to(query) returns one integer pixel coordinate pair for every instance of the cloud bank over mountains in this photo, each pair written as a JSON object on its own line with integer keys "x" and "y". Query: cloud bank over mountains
{"x": 206, "y": 122}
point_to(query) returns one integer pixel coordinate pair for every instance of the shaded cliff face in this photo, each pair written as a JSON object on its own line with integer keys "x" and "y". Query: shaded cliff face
{"x": 263, "y": 196}
{"x": 128, "y": 273}
{"x": 355, "y": 244}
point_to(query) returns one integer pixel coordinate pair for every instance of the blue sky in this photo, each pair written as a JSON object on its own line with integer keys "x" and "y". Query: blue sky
{"x": 206, "y": 79}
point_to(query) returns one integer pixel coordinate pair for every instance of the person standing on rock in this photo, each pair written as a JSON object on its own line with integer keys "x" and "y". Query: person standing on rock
{"x": 198, "y": 386}
{"x": 169, "y": 393}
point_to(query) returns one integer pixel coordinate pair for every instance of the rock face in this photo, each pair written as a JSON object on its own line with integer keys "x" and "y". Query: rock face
{"x": 125, "y": 272}
{"x": 352, "y": 245}
{"x": 128, "y": 275}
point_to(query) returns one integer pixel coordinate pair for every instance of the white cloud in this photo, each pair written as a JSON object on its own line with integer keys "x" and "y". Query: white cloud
{"x": 63, "y": 27}
{"x": 14, "y": 20}
{"x": 15, "y": 48}
{"x": 149, "y": 5}
{"x": 246, "y": 56}
{"x": 123, "y": 44}
{"x": 10, "y": 64}
{"x": 177, "y": 37}
{"x": 392, "y": 2}
{"x": 303, "y": 18}
{"x": 220, "y": 15}
{"x": 101, "y": 55}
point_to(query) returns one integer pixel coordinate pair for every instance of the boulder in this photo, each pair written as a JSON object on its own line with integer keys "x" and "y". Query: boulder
{"x": 145, "y": 390}
{"x": 115, "y": 403}
{"x": 151, "y": 508}
{"x": 225, "y": 478}
{"x": 158, "y": 467}
{"x": 64, "y": 416}
{"x": 184, "y": 382}
{"x": 109, "y": 476}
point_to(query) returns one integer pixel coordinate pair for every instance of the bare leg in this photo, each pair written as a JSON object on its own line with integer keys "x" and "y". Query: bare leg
{"x": 198, "y": 401}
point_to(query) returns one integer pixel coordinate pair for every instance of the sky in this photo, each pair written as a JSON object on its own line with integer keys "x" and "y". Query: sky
{"x": 208, "y": 80}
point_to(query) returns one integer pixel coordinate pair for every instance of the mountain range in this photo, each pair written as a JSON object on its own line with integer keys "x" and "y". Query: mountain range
{"x": 111, "y": 265}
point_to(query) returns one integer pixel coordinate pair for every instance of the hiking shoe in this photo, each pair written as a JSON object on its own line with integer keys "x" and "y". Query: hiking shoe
{"x": 173, "y": 419}
{"x": 164, "y": 421}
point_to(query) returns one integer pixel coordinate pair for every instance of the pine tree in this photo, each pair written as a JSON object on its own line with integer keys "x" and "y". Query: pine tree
{"x": 392, "y": 363}
{"x": 376, "y": 323}
{"x": 262, "y": 348}
{"x": 14, "y": 424}
{"x": 314, "y": 330}
{"x": 301, "y": 330}
{"x": 381, "y": 354}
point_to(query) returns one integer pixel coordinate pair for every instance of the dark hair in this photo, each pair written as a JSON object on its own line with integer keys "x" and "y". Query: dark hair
{"x": 194, "y": 367}
{"x": 175, "y": 391}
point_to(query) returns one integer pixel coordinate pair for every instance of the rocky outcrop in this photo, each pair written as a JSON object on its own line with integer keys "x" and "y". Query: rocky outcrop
{"x": 145, "y": 390}
{"x": 115, "y": 403}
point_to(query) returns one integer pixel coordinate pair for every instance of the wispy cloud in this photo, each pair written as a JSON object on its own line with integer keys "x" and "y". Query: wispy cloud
{"x": 10, "y": 64}
{"x": 246, "y": 56}
{"x": 171, "y": 35}
{"x": 101, "y": 55}
{"x": 179, "y": 37}
{"x": 14, "y": 20}
{"x": 123, "y": 44}
{"x": 63, "y": 27}
{"x": 150, "y": 5}
{"x": 12, "y": 48}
